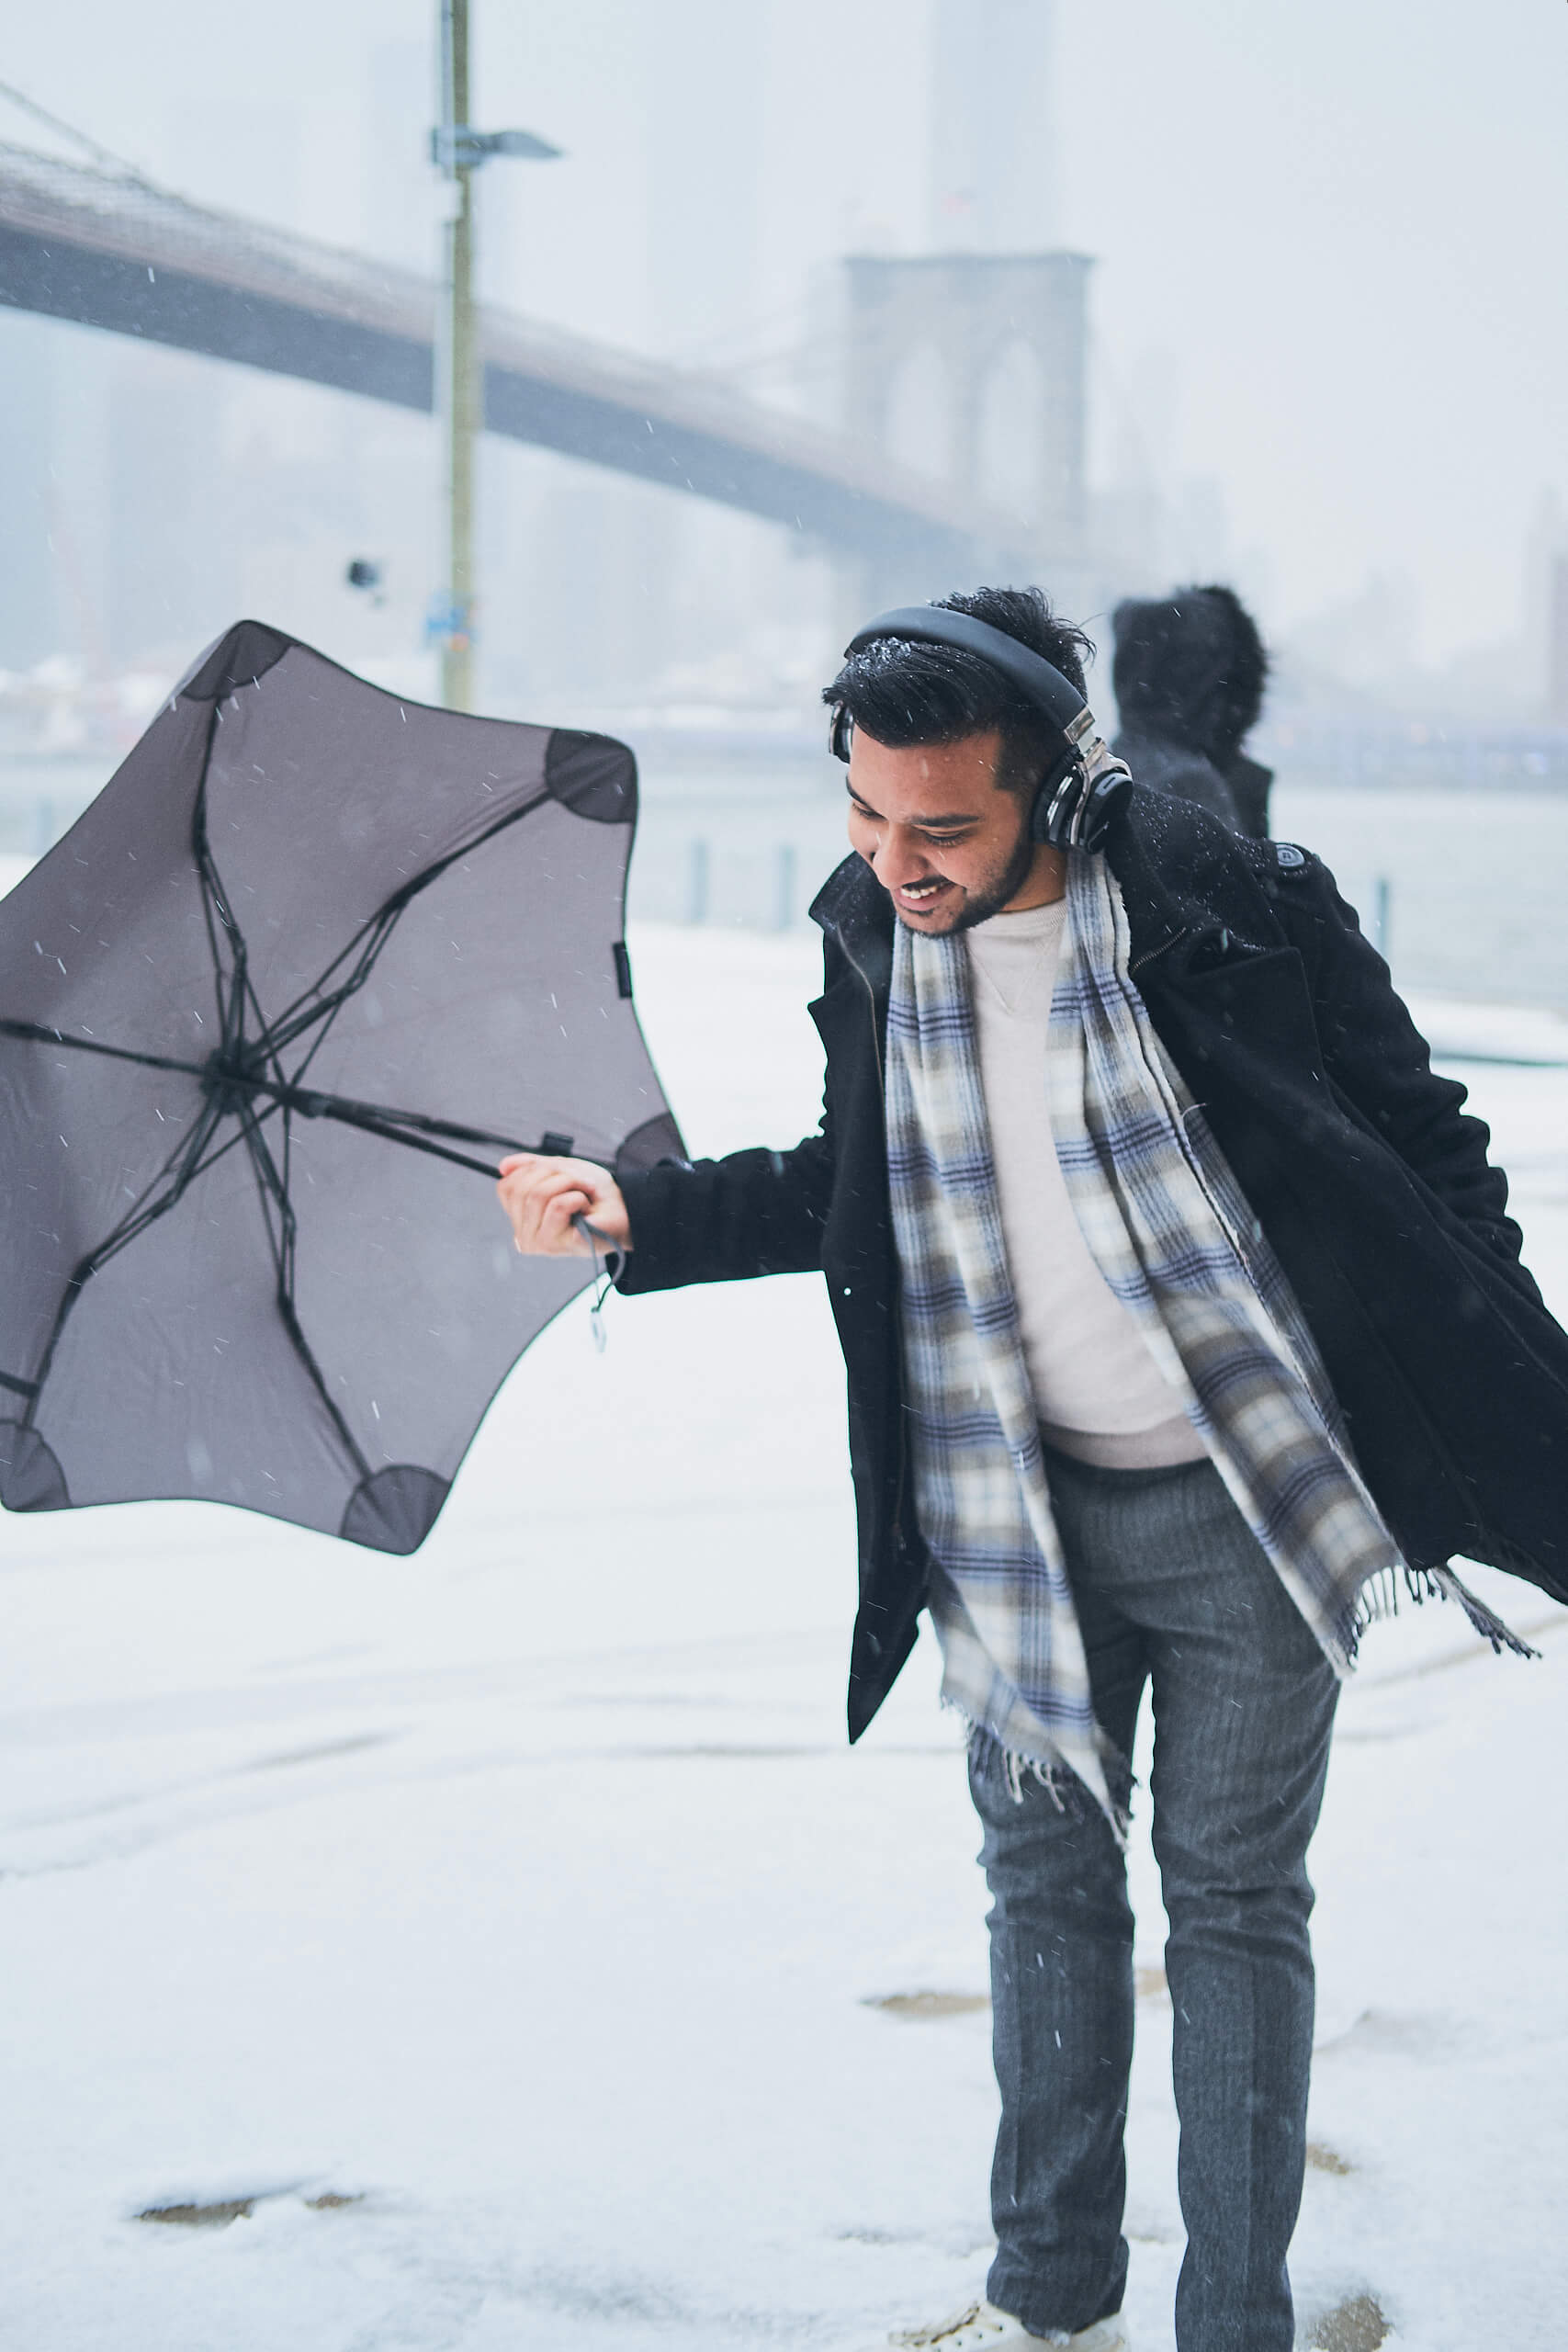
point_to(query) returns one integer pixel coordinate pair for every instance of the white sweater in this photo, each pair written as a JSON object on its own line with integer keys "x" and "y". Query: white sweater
{"x": 1099, "y": 1392}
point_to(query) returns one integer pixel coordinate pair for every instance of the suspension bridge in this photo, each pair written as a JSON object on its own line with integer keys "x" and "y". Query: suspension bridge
{"x": 108, "y": 250}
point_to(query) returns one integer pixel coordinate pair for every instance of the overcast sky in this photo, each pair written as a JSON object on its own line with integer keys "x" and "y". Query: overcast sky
{"x": 1332, "y": 243}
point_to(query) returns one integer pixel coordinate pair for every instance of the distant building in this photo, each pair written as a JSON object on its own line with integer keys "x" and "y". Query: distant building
{"x": 968, "y": 362}
{"x": 1557, "y": 645}
{"x": 990, "y": 185}
{"x": 29, "y": 622}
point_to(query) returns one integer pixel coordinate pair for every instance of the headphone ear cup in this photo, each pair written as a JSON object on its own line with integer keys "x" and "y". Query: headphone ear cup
{"x": 1041, "y": 827}
{"x": 1084, "y": 812}
{"x": 840, "y": 727}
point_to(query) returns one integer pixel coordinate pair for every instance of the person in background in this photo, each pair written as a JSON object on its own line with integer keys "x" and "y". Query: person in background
{"x": 1189, "y": 675}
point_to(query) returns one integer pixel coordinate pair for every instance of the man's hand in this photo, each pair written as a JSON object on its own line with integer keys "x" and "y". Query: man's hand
{"x": 541, "y": 1196}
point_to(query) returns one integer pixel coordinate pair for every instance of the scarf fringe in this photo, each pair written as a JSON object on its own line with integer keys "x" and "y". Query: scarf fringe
{"x": 1446, "y": 1587}
{"x": 1378, "y": 1600}
{"x": 1049, "y": 1771}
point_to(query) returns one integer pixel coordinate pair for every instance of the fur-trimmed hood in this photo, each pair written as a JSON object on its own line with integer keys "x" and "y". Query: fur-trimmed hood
{"x": 1188, "y": 669}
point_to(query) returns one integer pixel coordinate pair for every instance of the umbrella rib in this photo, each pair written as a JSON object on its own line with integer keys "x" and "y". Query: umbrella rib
{"x": 190, "y": 1161}
{"x": 214, "y": 898}
{"x": 233, "y": 989}
{"x": 197, "y": 1160}
{"x": 35, "y": 1032}
{"x": 275, "y": 1192}
{"x": 393, "y": 906}
{"x": 302, "y": 1015}
{"x": 272, "y": 1186}
{"x": 182, "y": 1168}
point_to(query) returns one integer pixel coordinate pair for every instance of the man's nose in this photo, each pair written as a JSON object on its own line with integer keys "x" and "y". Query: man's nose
{"x": 900, "y": 857}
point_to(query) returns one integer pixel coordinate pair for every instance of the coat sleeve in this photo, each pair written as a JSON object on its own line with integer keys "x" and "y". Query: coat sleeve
{"x": 754, "y": 1212}
{"x": 1378, "y": 1061}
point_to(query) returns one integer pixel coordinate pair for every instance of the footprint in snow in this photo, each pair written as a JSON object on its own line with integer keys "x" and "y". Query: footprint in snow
{"x": 928, "y": 2004}
{"x": 1358, "y": 2326}
{"x": 1151, "y": 1986}
{"x": 1388, "y": 2033}
{"x": 225, "y": 2209}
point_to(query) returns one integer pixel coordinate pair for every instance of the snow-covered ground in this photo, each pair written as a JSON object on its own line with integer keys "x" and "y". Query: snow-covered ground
{"x": 506, "y": 1929}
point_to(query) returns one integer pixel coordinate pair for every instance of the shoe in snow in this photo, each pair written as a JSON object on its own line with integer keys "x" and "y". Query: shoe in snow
{"x": 980, "y": 2327}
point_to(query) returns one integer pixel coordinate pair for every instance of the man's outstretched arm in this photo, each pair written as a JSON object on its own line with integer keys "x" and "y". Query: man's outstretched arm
{"x": 754, "y": 1213}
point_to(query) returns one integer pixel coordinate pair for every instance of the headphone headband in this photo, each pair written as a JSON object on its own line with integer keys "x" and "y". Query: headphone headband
{"x": 1036, "y": 679}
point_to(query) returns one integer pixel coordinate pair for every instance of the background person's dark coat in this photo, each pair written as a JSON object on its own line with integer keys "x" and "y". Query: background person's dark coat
{"x": 1249, "y": 783}
{"x": 1161, "y": 765}
{"x": 1369, "y": 1179}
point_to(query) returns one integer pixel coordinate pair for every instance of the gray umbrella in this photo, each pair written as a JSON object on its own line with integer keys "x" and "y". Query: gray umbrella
{"x": 311, "y": 952}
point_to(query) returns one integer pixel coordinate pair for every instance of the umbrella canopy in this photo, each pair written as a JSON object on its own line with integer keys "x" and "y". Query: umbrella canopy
{"x": 310, "y": 946}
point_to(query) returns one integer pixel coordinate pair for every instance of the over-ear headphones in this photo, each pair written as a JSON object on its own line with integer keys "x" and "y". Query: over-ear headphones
{"x": 1082, "y": 783}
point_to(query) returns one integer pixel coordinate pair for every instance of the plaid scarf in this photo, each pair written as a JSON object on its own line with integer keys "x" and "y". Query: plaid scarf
{"x": 1176, "y": 1240}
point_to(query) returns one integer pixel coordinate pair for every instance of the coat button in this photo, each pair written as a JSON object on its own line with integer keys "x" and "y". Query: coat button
{"x": 1287, "y": 854}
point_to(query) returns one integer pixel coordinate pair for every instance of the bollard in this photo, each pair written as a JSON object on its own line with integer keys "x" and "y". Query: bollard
{"x": 783, "y": 879}
{"x": 1383, "y": 895}
{"x": 697, "y": 884}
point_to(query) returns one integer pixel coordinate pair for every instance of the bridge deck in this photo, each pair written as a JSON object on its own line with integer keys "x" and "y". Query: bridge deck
{"x": 117, "y": 253}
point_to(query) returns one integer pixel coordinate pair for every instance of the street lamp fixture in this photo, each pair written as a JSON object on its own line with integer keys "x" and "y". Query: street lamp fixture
{"x": 463, "y": 146}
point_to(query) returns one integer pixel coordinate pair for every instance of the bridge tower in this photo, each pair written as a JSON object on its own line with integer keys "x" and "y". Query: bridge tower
{"x": 970, "y": 366}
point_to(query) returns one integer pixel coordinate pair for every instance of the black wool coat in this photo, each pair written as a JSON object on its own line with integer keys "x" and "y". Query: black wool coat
{"x": 1367, "y": 1175}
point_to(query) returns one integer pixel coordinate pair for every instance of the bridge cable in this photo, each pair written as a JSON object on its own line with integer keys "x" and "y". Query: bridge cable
{"x": 99, "y": 153}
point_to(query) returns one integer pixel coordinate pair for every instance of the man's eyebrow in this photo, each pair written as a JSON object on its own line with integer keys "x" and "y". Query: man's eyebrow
{"x": 926, "y": 824}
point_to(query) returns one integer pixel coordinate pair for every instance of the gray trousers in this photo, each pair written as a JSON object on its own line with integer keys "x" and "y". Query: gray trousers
{"x": 1171, "y": 1590}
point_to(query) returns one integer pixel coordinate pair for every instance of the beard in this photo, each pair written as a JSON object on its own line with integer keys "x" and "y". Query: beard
{"x": 988, "y": 896}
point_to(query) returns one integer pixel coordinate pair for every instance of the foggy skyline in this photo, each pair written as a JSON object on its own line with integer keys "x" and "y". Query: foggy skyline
{"x": 1326, "y": 298}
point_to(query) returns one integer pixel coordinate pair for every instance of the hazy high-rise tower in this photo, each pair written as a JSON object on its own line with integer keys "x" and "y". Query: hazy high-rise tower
{"x": 967, "y": 361}
{"x": 30, "y": 617}
{"x": 991, "y": 189}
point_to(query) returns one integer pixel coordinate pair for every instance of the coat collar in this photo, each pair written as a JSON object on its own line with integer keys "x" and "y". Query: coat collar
{"x": 856, "y": 912}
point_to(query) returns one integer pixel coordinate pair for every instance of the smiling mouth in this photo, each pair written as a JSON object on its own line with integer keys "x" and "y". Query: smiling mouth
{"x": 920, "y": 894}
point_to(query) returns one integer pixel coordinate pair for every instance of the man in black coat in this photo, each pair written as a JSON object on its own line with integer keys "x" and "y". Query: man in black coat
{"x": 1371, "y": 1187}
{"x": 1189, "y": 672}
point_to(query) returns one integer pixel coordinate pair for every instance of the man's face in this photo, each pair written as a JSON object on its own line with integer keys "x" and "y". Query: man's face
{"x": 946, "y": 842}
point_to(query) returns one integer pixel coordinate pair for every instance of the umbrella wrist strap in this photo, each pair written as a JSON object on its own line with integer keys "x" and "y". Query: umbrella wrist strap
{"x": 606, "y": 1269}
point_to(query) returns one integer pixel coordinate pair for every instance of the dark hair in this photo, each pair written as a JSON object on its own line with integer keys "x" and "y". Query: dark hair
{"x": 903, "y": 694}
{"x": 1190, "y": 667}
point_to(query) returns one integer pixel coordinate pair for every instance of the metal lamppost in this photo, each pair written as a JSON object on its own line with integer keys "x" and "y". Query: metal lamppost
{"x": 458, "y": 149}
